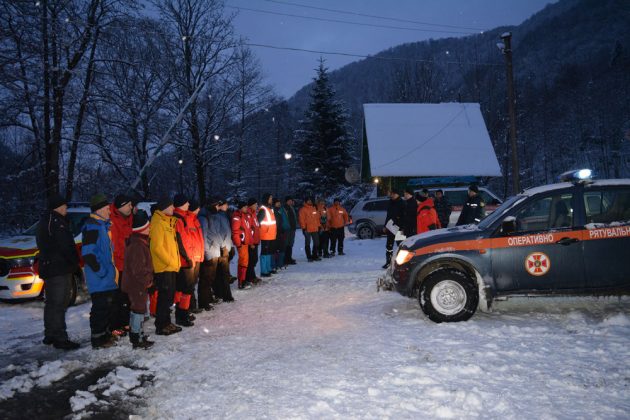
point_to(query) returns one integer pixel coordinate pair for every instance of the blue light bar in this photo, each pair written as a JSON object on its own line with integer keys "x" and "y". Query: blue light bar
{"x": 576, "y": 176}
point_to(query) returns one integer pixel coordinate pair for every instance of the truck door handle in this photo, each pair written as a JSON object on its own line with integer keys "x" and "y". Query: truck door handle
{"x": 567, "y": 241}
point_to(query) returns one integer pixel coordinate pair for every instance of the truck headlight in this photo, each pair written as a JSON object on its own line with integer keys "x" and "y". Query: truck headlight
{"x": 403, "y": 256}
{"x": 22, "y": 262}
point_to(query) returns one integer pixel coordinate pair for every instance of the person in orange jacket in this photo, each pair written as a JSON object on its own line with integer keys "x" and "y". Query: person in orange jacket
{"x": 268, "y": 232}
{"x": 121, "y": 221}
{"x": 185, "y": 285}
{"x": 242, "y": 238}
{"x": 309, "y": 219}
{"x": 427, "y": 218}
{"x": 337, "y": 220}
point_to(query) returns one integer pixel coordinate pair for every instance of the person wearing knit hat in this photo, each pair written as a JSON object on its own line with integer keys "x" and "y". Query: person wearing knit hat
{"x": 56, "y": 201}
{"x": 121, "y": 220}
{"x": 138, "y": 277}
{"x": 180, "y": 200}
{"x": 97, "y": 202}
{"x": 242, "y": 239}
{"x": 282, "y": 224}
{"x": 268, "y": 233}
{"x": 252, "y": 217}
{"x": 474, "y": 209}
{"x": 166, "y": 264}
{"x": 310, "y": 220}
{"x": 58, "y": 262}
{"x": 338, "y": 219}
{"x": 100, "y": 272}
{"x": 293, "y": 224}
{"x": 185, "y": 283}
{"x": 198, "y": 250}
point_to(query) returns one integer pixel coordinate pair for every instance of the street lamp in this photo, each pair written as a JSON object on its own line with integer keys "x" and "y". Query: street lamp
{"x": 216, "y": 137}
{"x": 287, "y": 156}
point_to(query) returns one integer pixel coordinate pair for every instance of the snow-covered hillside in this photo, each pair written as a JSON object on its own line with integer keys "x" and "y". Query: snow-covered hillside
{"x": 318, "y": 341}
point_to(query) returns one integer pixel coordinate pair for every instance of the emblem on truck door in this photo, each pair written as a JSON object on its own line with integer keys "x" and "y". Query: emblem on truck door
{"x": 537, "y": 264}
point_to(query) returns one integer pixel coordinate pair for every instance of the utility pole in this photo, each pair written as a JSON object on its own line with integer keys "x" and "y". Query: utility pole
{"x": 506, "y": 49}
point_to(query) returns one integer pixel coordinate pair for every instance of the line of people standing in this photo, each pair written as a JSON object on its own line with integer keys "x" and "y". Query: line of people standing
{"x": 136, "y": 265}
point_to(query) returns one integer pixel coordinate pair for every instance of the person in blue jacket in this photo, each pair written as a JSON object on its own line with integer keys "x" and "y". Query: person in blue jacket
{"x": 100, "y": 272}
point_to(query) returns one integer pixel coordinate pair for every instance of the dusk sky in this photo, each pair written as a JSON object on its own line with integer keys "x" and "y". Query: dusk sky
{"x": 288, "y": 71}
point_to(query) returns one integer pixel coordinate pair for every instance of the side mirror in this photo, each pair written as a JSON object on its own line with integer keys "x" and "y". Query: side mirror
{"x": 508, "y": 226}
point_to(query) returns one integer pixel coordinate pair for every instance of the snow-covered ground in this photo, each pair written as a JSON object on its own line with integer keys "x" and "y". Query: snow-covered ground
{"x": 318, "y": 341}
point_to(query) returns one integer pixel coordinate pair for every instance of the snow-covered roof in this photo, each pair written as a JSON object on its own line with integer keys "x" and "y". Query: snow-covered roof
{"x": 448, "y": 139}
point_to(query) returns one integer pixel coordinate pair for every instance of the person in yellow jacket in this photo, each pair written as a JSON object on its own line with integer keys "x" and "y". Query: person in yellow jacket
{"x": 166, "y": 264}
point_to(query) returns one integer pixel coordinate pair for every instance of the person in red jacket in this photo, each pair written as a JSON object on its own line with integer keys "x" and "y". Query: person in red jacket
{"x": 138, "y": 277}
{"x": 242, "y": 238}
{"x": 252, "y": 218}
{"x": 185, "y": 285}
{"x": 121, "y": 222}
{"x": 427, "y": 218}
{"x": 198, "y": 250}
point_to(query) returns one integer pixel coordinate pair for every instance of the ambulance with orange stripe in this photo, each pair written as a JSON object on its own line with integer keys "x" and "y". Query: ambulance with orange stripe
{"x": 19, "y": 277}
{"x": 570, "y": 238}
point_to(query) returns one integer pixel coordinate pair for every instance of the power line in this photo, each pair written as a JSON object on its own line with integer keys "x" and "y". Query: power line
{"x": 160, "y": 32}
{"x": 346, "y": 22}
{"x": 374, "y": 16}
{"x": 376, "y": 57}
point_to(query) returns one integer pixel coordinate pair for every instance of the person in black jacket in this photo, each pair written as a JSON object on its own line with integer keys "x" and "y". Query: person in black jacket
{"x": 411, "y": 207}
{"x": 293, "y": 225}
{"x": 58, "y": 261}
{"x": 443, "y": 208}
{"x": 395, "y": 213}
{"x": 474, "y": 209}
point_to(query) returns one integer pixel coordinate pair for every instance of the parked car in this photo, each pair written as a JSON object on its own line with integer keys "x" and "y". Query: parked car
{"x": 368, "y": 216}
{"x": 19, "y": 276}
{"x": 570, "y": 238}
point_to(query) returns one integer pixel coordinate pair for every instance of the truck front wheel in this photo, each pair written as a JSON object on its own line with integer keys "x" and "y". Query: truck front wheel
{"x": 448, "y": 295}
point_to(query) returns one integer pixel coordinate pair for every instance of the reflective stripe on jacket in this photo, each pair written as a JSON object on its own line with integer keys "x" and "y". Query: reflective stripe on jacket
{"x": 268, "y": 228}
{"x": 337, "y": 217}
{"x": 309, "y": 219}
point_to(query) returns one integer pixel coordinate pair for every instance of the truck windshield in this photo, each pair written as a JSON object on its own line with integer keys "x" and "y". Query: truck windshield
{"x": 500, "y": 211}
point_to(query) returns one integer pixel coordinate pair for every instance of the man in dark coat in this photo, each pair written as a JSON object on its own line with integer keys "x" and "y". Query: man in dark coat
{"x": 443, "y": 208}
{"x": 409, "y": 226}
{"x": 293, "y": 223}
{"x": 395, "y": 213}
{"x": 474, "y": 209}
{"x": 58, "y": 262}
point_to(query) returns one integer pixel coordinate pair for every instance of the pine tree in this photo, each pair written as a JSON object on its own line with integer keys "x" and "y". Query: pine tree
{"x": 323, "y": 143}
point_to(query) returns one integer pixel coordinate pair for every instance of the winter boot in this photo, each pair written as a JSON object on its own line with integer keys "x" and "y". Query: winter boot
{"x": 103, "y": 342}
{"x": 388, "y": 258}
{"x": 182, "y": 318}
{"x": 139, "y": 343}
